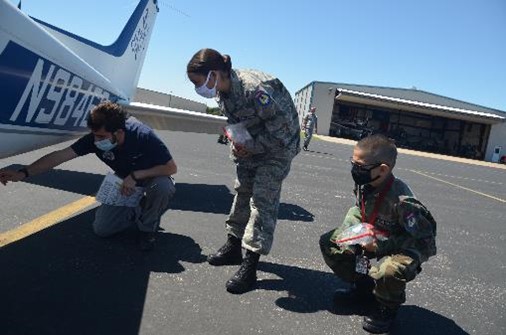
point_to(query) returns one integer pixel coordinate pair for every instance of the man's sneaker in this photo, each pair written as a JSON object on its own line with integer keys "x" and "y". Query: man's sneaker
{"x": 147, "y": 240}
{"x": 304, "y": 148}
{"x": 229, "y": 254}
{"x": 380, "y": 320}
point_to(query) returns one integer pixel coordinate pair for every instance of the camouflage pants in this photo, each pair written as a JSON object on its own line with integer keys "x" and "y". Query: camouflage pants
{"x": 391, "y": 276}
{"x": 308, "y": 134}
{"x": 255, "y": 208}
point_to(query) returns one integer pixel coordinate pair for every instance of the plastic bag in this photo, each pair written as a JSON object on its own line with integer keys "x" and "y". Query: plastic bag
{"x": 360, "y": 233}
{"x": 238, "y": 133}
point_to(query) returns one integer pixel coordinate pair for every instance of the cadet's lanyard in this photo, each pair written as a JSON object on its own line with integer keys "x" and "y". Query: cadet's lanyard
{"x": 377, "y": 203}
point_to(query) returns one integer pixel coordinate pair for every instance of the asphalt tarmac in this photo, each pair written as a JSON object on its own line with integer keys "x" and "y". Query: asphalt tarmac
{"x": 65, "y": 280}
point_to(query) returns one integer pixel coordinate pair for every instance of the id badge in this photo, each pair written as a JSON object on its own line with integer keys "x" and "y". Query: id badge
{"x": 362, "y": 264}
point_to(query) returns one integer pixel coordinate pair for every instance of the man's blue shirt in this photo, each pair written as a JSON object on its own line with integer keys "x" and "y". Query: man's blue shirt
{"x": 141, "y": 150}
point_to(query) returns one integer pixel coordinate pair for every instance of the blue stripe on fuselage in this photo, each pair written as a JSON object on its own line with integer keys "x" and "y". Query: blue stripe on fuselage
{"x": 38, "y": 93}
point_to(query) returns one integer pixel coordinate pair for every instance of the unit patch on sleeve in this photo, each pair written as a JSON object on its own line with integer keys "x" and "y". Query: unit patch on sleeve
{"x": 263, "y": 98}
{"x": 410, "y": 221}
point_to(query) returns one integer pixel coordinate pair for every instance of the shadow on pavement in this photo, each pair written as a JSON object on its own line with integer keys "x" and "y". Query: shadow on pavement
{"x": 71, "y": 181}
{"x": 319, "y": 152}
{"x": 293, "y": 212}
{"x": 65, "y": 280}
{"x": 310, "y": 291}
{"x": 420, "y": 321}
{"x": 203, "y": 198}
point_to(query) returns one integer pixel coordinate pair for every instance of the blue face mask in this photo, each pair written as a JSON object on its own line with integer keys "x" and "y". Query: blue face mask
{"x": 106, "y": 144}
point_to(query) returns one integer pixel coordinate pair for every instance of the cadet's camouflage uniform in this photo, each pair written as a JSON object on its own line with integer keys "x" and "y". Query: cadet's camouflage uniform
{"x": 266, "y": 108}
{"x": 412, "y": 241}
{"x": 311, "y": 123}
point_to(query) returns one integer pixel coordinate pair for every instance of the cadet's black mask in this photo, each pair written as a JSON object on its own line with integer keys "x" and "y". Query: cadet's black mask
{"x": 362, "y": 173}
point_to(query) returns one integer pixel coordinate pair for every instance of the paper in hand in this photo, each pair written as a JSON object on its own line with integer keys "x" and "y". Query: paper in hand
{"x": 110, "y": 193}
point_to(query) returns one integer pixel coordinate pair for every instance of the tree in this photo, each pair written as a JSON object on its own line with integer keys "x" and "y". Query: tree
{"x": 213, "y": 110}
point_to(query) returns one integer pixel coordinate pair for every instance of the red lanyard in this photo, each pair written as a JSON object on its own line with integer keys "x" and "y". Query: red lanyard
{"x": 377, "y": 204}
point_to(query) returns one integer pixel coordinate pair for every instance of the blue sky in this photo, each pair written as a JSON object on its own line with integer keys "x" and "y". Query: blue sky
{"x": 455, "y": 48}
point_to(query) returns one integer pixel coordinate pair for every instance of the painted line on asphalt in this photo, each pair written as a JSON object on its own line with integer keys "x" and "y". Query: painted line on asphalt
{"x": 456, "y": 177}
{"x": 462, "y": 187}
{"x": 45, "y": 221}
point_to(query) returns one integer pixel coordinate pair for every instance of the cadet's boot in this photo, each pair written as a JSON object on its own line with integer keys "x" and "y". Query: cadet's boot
{"x": 229, "y": 254}
{"x": 360, "y": 291}
{"x": 245, "y": 278}
{"x": 380, "y": 320}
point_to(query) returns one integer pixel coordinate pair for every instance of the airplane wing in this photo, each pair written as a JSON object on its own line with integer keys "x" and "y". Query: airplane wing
{"x": 167, "y": 118}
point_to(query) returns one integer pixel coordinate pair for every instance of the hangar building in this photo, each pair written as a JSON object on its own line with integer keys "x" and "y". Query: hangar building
{"x": 414, "y": 118}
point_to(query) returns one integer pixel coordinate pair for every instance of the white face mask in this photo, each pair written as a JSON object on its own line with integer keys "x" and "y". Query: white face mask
{"x": 106, "y": 144}
{"x": 205, "y": 91}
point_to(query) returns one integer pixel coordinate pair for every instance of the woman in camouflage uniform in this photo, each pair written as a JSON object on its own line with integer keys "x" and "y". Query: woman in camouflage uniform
{"x": 261, "y": 108}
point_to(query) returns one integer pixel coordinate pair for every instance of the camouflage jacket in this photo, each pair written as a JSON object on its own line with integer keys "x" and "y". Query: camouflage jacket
{"x": 265, "y": 107}
{"x": 411, "y": 227}
{"x": 310, "y": 121}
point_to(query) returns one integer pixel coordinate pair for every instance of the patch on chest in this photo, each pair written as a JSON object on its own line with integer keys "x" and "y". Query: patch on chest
{"x": 109, "y": 155}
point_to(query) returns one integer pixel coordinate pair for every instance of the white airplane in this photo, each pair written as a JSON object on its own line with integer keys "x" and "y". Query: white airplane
{"x": 50, "y": 79}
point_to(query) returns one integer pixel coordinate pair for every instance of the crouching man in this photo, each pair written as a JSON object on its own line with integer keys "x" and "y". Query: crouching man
{"x": 135, "y": 154}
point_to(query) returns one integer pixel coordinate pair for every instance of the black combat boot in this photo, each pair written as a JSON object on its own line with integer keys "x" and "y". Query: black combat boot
{"x": 360, "y": 291}
{"x": 245, "y": 278}
{"x": 380, "y": 320}
{"x": 229, "y": 254}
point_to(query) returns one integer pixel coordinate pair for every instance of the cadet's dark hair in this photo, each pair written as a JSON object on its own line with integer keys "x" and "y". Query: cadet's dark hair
{"x": 107, "y": 115}
{"x": 379, "y": 149}
{"x": 206, "y": 60}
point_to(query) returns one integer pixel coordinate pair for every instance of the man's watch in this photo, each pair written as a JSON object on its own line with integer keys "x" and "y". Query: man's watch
{"x": 25, "y": 171}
